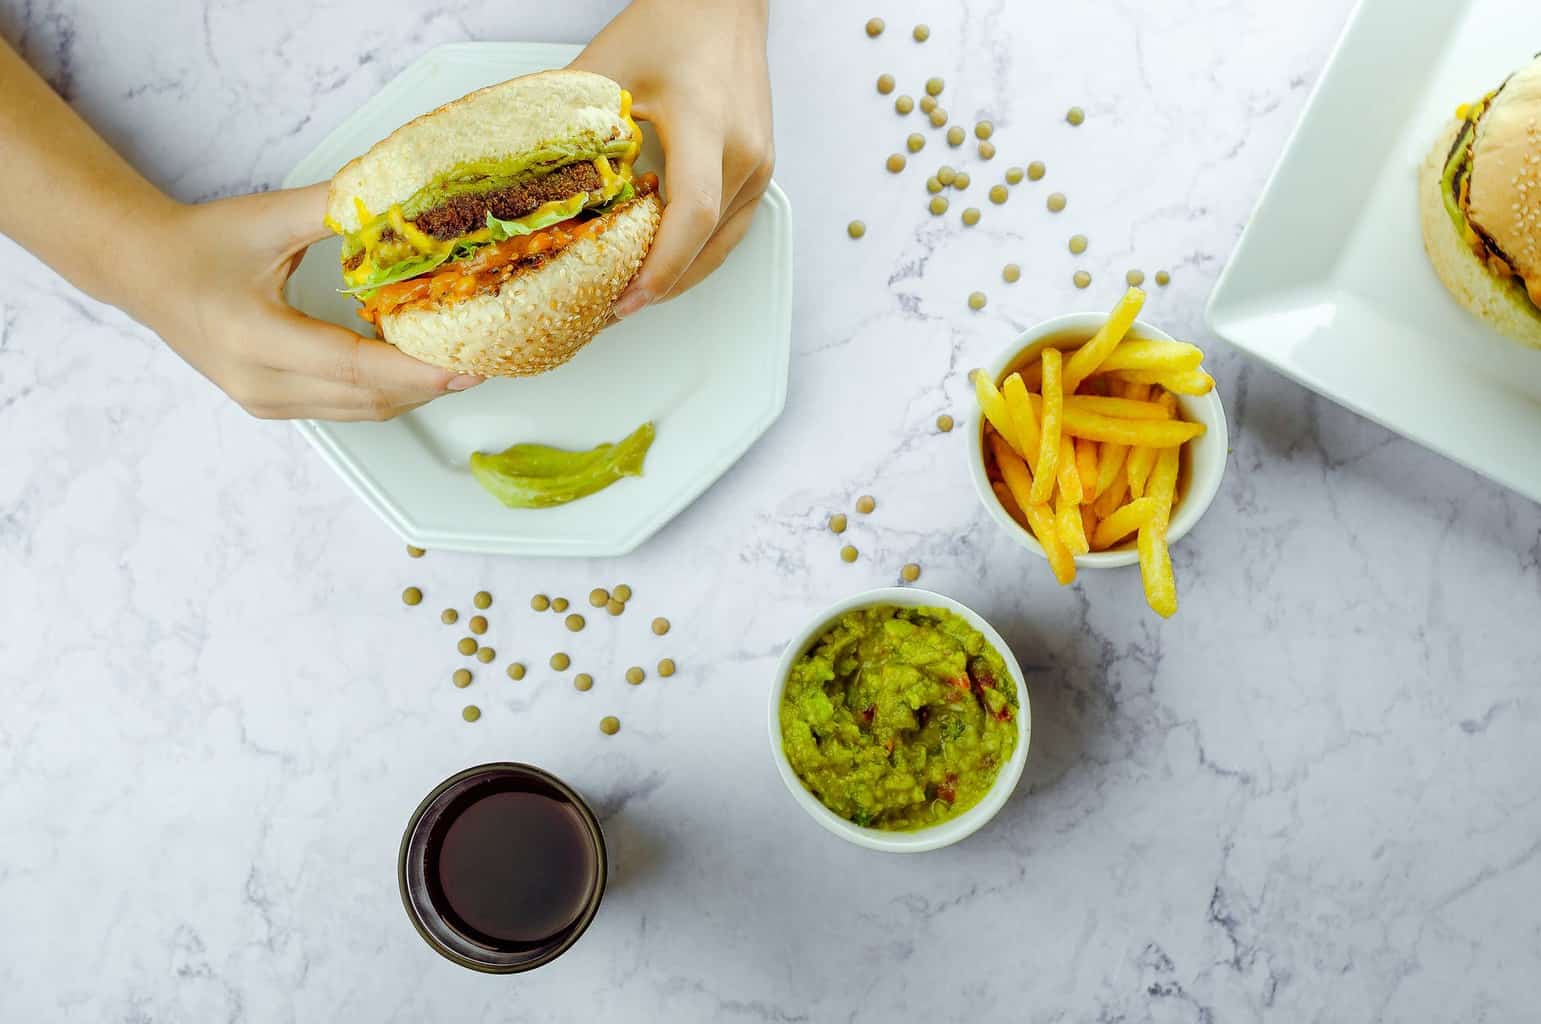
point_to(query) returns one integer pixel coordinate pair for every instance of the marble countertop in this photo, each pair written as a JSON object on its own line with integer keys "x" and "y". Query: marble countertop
{"x": 1311, "y": 796}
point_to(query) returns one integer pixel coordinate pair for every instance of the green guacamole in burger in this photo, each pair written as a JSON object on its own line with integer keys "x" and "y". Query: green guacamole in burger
{"x": 899, "y": 718}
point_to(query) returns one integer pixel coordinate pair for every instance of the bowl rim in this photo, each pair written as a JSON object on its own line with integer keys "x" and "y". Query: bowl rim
{"x": 1202, "y": 488}
{"x": 933, "y": 837}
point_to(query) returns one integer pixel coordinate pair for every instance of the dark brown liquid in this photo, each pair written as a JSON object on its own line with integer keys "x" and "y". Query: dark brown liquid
{"x": 511, "y": 865}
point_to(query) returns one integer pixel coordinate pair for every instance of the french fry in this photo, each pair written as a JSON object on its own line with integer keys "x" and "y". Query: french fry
{"x": 1188, "y": 382}
{"x": 1009, "y": 503}
{"x": 1156, "y": 571}
{"x": 1146, "y": 433}
{"x": 1086, "y": 359}
{"x": 1024, "y": 421}
{"x": 1140, "y": 462}
{"x": 1110, "y": 459}
{"x": 1134, "y": 391}
{"x": 1162, "y": 485}
{"x": 1069, "y": 473}
{"x": 1158, "y": 356}
{"x": 1110, "y": 499}
{"x": 1019, "y": 483}
{"x": 1123, "y": 522}
{"x": 992, "y": 405}
{"x": 1119, "y": 408}
{"x": 1067, "y": 521}
{"x": 1086, "y": 464}
{"x": 1048, "y": 445}
{"x": 1089, "y": 521}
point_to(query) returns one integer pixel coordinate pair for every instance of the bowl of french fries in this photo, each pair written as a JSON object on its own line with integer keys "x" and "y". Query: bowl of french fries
{"x": 1101, "y": 442}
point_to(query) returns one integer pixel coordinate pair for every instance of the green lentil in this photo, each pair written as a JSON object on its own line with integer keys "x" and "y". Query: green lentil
{"x": 621, "y": 593}
{"x": 1082, "y": 279}
{"x": 921, "y": 33}
{"x": 1014, "y": 175}
{"x": 635, "y": 675}
{"x": 848, "y": 554}
{"x": 885, "y": 84}
{"x": 1077, "y": 244}
{"x": 866, "y": 504}
{"x": 1075, "y": 115}
{"x": 955, "y": 135}
{"x": 560, "y": 661}
{"x": 516, "y": 671}
{"x": 467, "y": 646}
{"x": 1163, "y": 278}
{"x": 904, "y": 104}
{"x": 961, "y": 180}
{"x": 574, "y": 622}
{"x": 895, "y": 163}
{"x": 987, "y": 151}
{"x": 470, "y": 712}
{"x": 461, "y": 677}
{"x": 415, "y": 552}
{"x": 976, "y": 301}
{"x": 874, "y": 27}
{"x": 971, "y": 216}
{"x": 411, "y": 596}
{"x": 482, "y": 600}
{"x": 598, "y": 597}
{"x": 910, "y": 573}
{"x": 559, "y": 604}
{"x": 660, "y": 626}
{"x": 927, "y": 104}
{"x": 938, "y": 117}
{"x": 938, "y": 205}
{"x": 540, "y": 602}
{"x": 983, "y": 129}
{"x": 1135, "y": 278}
{"x": 934, "y": 86}
{"x": 485, "y": 655}
{"x": 1056, "y": 202}
{"x": 1036, "y": 170}
{"x": 944, "y": 423}
{"x": 615, "y": 607}
{"x": 477, "y": 625}
{"x": 583, "y": 682}
{"x": 946, "y": 175}
{"x": 837, "y": 522}
{"x": 998, "y": 194}
{"x": 666, "y": 667}
{"x": 1011, "y": 273}
{"x": 856, "y": 229}
{"x": 609, "y": 725}
{"x": 915, "y": 143}
{"x": 449, "y": 616}
{"x": 932, "y": 185}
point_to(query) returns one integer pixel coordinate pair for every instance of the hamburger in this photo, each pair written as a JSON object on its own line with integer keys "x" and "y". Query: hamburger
{"x": 1480, "y": 198}
{"x": 492, "y": 235}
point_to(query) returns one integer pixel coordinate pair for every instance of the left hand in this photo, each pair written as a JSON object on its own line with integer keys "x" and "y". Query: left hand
{"x": 696, "y": 71}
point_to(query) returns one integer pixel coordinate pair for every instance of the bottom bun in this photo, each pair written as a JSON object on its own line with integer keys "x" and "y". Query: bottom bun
{"x": 1496, "y": 301}
{"x": 540, "y": 318}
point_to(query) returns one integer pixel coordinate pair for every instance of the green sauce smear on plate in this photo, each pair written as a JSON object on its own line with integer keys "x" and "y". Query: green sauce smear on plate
{"x": 538, "y": 476}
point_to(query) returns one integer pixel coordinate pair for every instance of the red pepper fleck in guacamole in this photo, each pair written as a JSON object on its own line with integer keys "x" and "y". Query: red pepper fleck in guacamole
{"x": 899, "y": 718}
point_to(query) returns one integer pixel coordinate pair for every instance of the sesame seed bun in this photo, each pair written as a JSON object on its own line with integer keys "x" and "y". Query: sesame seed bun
{"x": 499, "y": 122}
{"x": 1494, "y": 300}
{"x": 540, "y": 317}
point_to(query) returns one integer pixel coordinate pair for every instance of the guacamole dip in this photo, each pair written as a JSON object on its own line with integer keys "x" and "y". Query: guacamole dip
{"x": 899, "y": 718}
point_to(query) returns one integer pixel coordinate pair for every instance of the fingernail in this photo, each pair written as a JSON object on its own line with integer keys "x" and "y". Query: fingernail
{"x": 464, "y": 381}
{"x": 632, "y": 302}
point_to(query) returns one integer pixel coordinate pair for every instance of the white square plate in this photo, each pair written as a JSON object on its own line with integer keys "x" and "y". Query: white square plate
{"x": 709, "y": 369}
{"x": 1329, "y": 282}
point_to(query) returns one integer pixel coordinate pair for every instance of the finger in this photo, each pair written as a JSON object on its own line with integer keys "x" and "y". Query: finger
{"x": 693, "y": 168}
{"x": 296, "y": 216}
{"x": 716, "y": 250}
{"x": 325, "y": 351}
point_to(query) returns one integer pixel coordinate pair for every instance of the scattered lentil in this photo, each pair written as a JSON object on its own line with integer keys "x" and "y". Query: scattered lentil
{"x": 1036, "y": 170}
{"x": 946, "y": 175}
{"x": 895, "y": 163}
{"x": 983, "y": 129}
{"x": 927, "y": 104}
{"x": 955, "y": 135}
{"x": 615, "y": 607}
{"x": 1014, "y": 175}
{"x": 971, "y": 216}
{"x": 477, "y": 625}
{"x": 934, "y": 86}
{"x": 1011, "y": 273}
{"x": 921, "y": 33}
{"x": 987, "y": 151}
{"x": 848, "y": 554}
{"x": 1135, "y": 278}
{"x": 856, "y": 229}
{"x": 583, "y": 682}
{"x": 560, "y": 661}
{"x": 609, "y": 725}
{"x": 976, "y": 301}
{"x": 837, "y": 522}
{"x": 540, "y": 602}
{"x": 904, "y": 104}
{"x": 866, "y": 504}
{"x": 461, "y": 677}
{"x": 485, "y": 655}
{"x": 874, "y": 27}
{"x": 915, "y": 143}
{"x": 666, "y": 667}
{"x": 938, "y": 117}
{"x": 598, "y": 597}
{"x": 574, "y": 622}
{"x": 415, "y": 552}
{"x": 938, "y": 205}
{"x": 516, "y": 671}
{"x": 1077, "y": 244}
{"x": 559, "y": 604}
{"x": 998, "y": 194}
{"x": 944, "y": 423}
{"x": 1075, "y": 115}
{"x": 467, "y": 646}
{"x": 482, "y": 600}
{"x": 910, "y": 573}
{"x": 1056, "y": 202}
{"x": 449, "y": 616}
{"x": 621, "y": 593}
{"x": 1163, "y": 278}
{"x": 1082, "y": 279}
{"x": 885, "y": 84}
{"x": 471, "y": 712}
{"x": 660, "y": 626}
{"x": 960, "y": 180}
{"x": 635, "y": 675}
{"x": 932, "y": 185}
{"x": 411, "y": 596}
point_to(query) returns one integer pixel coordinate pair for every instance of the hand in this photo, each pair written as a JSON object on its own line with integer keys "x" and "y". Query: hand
{"x": 696, "y": 70}
{"x": 220, "y": 306}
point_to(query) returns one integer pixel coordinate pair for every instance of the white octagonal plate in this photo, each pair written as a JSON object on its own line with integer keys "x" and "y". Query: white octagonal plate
{"x": 709, "y": 369}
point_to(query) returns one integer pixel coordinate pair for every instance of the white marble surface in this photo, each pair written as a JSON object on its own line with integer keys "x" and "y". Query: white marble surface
{"x": 1312, "y": 796}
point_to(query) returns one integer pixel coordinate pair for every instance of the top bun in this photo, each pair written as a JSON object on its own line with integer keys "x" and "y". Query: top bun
{"x": 1505, "y": 197}
{"x": 498, "y": 122}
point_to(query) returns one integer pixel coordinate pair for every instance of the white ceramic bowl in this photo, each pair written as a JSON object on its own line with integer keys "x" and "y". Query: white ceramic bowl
{"x": 935, "y": 836}
{"x": 1204, "y": 458}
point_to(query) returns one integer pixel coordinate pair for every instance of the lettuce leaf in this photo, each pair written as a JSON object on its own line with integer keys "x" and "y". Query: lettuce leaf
{"x": 407, "y": 268}
{"x": 502, "y": 230}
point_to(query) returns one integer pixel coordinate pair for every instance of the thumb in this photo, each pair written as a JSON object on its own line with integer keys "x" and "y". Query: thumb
{"x": 298, "y": 215}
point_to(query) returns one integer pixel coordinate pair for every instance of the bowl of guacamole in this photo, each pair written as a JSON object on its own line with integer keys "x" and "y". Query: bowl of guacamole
{"x": 899, "y": 720}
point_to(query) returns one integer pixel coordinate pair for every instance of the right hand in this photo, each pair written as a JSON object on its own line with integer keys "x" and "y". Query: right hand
{"x": 222, "y": 309}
